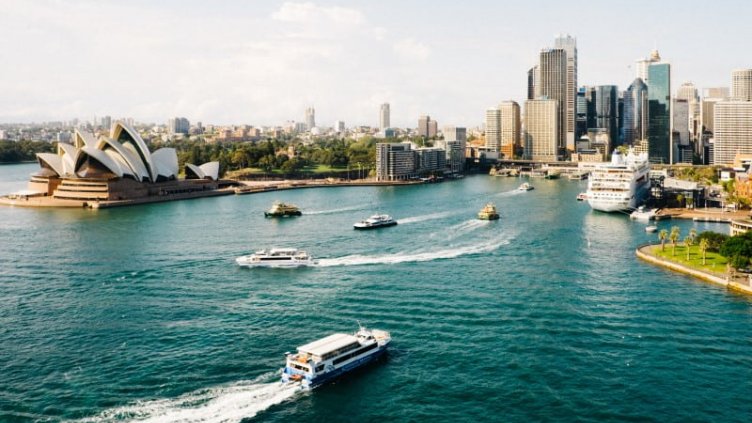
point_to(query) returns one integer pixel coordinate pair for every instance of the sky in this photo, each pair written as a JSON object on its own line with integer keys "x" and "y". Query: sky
{"x": 263, "y": 62}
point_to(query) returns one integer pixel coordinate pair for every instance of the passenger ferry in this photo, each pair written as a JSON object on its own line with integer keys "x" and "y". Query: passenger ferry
{"x": 488, "y": 212}
{"x": 323, "y": 360}
{"x": 282, "y": 210}
{"x": 621, "y": 184}
{"x": 276, "y": 257}
{"x": 376, "y": 221}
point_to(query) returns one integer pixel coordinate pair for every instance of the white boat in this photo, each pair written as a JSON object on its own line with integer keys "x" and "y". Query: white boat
{"x": 643, "y": 214}
{"x": 582, "y": 196}
{"x": 526, "y": 187}
{"x": 650, "y": 229}
{"x": 276, "y": 257}
{"x": 376, "y": 221}
{"x": 621, "y": 184}
{"x": 323, "y": 360}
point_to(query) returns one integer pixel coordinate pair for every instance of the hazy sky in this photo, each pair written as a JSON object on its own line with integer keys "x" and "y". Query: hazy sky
{"x": 263, "y": 62}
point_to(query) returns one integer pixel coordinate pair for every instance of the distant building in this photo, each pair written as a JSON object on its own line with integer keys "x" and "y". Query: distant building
{"x": 553, "y": 86}
{"x": 427, "y": 128}
{"x": 107, "y": 122}
{"x": 716, "y": 92}
{"x": 430, "y": 159}
{"x": 493, "y": 128}
{"x": 581, "y": 117}
{"x": 455, "y": 154}
{"x": 634, "y": 120}
{"x": 339, "y": 126}
{"x": 680, "y": 110}
{"x": 733, "y": 130}
{"x": 178, "y": 125}
{"x": 741, "y": 85}
{"x": 510, "y": 127}
{"x": 310, "y": 118}
{"x": 384, "y": 117}
{"x": 659, "y": 112}
{"x": 643, "y": 66}
{"x": 603, "y": 112}
{"x": 542, "y": 129}
{"x": 394, "y": 161}
{"x": 569, "y": 45}
{"x": 533, "y": 79}
{"x": 687, "y": 91}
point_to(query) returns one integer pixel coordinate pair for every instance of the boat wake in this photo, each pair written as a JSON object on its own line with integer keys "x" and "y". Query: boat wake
{"x": 396, "y": 258}
{"x": 334, "y": 211}
{"x": 462, "y": 228}
{"x": 509, "y": 193}
{"x": 221, "y": 404}
{"x": 423, "y": 218}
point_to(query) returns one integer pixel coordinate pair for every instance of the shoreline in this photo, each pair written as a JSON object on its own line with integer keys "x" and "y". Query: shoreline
{"x": 737, "y": 284}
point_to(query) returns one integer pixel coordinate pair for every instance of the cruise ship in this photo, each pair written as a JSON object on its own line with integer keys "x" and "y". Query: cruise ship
{"x": 621, "y": 184}
{"x": 332, "y": 356}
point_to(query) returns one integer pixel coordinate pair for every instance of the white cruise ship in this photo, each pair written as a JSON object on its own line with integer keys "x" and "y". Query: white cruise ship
{"x": 323, "y": 360}
{"x": 621, "y": 184}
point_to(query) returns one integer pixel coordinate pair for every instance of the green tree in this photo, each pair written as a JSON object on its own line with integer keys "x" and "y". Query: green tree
{"x": 663, "y": 236}
{"x": 688, "y": 241}
{"x": 703, "y": 246}
{"x": 673, "y": 237}
{"x": 714, "y": 239}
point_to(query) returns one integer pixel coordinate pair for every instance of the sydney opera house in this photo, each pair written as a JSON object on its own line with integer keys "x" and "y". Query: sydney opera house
{"x": 116, "y": 169}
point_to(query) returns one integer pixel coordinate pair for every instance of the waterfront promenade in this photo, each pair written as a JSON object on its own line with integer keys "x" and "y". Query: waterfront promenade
{"x": 734, "y": 281}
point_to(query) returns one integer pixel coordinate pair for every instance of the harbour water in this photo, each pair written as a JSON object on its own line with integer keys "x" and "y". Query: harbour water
{"x": 545, "y": 315}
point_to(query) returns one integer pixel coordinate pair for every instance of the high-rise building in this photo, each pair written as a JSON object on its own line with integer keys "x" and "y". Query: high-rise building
{"x": 733, "y": 130}
{"x": 741, "y": 85}
{"x": 603, "y": 112}
{"x": 643, "y": 66}
{"x": 454, "y": 142}
{"x": 310, "y": 118}
{"x": 722, "y": 93}
{"x": 455, "y": 133}
{"x": 688, "y": 91}
{"x": 581, "y": 119}
{"x": 680, "y": 110}
{"x": 510, "y": 126}
{"x": 178, "y": 125}
{"x": 659, "y": 113}
{"x": 493, "y": 128}
{"x": 384, "y": 116}
{"x": 533, "y": 83}
{"x": 427, "y": 127}
{"x": 394, "y": 161}
{"x": 107, "y": 122}
{"x": 433, "y": 128}
{"x": 339, "y": 126}
{"x": 542, "y": 129}
{"x": 569, "y": 45}
{"x": 634, "y": 118}
{"x": 553, "y": 85}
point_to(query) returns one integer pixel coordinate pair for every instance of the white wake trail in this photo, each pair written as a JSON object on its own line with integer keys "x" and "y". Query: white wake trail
{"x": 509, "y": 193}
{"x": 357, "y": 260}
{"x": 222, "y": 404}
{"x": 333, "y": 211}
{"x": 424, "y": 217}
{"x": 462, "y": 228}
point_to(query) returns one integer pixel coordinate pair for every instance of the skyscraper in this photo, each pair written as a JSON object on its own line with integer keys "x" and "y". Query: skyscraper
{"x": 569, "y": 45}
{"x": 493, "y": 128}
{"x": 643, "y": 66}
{"x": 634, "y": 121}
{"x": 384, "y": 117}
{"x": 542, "y": 129}
{"x": 741, "y": 85}
{"x": 533, "y": 83}
{"x": 427, "y": 128}
{"x": 310, "y": 118}
{"x": 553, "y": 86}
{"x": 603, "y": 112}
{"x": 687, "y": 91}
{"x": 509, "y": 128}
{"x": 660, "y": 149}
{"x": 733, "y": 130}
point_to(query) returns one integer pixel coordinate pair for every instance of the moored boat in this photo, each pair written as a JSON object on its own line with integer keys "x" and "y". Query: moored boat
{"x": 282, "y": 210}
{"x": 332, "y": 356}
{"x": 643, "y": 214}
{"x": 651, "y": 228}
{"x": 376, "y": 221}
{"x": 488, "y": 212}
{"x": 582, "y": 196}
{"x": 277, "y": 257}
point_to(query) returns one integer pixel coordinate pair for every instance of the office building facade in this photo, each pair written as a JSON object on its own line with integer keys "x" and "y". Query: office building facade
{"x": 733, "y": 130}
{"x": 569, "y": 45}
{"x": 542, "y": 129}
{"x": 659, "y": 113}
{"x": 384, "y": 116}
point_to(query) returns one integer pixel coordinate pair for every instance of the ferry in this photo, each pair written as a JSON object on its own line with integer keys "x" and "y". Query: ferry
{"x": 651, "y": 228}
{"x": 282, "y": 210}
{"x": 582, "y": 196}
{"x": 621, "y": 184}
{"x": 277, "y": 257}
{"x": 488, "y": 212}
{"x": 376, "y": 221}
{"x": 526, "y": 187}
{"x": 332, "y": 356}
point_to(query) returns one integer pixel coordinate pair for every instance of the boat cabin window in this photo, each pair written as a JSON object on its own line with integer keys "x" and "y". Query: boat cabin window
{"x": 339, "y": 351}
{"x": 320, "y": 367}
{"x": 299, "y": 367}
{"x": 355, "y": 353}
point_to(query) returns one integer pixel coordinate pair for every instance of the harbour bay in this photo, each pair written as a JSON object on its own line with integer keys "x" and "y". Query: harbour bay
{"x": 141, "y": 312}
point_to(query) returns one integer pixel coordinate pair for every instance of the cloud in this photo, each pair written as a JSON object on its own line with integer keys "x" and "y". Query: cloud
{"x": 312, "y": 13}
{"x": 410, "y": 49}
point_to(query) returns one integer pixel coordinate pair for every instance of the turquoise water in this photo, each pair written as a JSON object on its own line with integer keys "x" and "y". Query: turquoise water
{"x": 545, "y": 315}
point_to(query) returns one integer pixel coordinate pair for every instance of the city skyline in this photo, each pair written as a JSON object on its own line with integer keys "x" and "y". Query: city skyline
{"x": 271, "y": 60}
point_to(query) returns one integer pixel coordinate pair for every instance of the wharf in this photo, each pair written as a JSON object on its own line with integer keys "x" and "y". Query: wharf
{"x": 48, "y": 201}
{"x": 253, "y": 187}
{"x": 734, "y": 282}
{"x": 716, "y": 215}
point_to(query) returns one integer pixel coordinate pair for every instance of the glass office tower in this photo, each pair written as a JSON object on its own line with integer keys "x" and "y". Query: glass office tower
{"x": 659, "y": 113}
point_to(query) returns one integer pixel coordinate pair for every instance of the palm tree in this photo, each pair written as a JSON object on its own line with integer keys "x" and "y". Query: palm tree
{"x": 703, "y": 248}
{"x": 663, "y": 236}
{"x": 693, "y": 234}
{"x": 673, "y": 237}
{"x": 688, "y": 241}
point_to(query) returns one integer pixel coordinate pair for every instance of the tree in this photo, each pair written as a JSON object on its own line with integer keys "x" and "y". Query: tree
{"x": 663, "y": 236}
{"x": 714, "y": 239}
{"x": 693, "y": 234}
{"x": 680, "y": 200}
{"x": 688, "y": 241}
{"x": 673, "y": 237}
{"x": 703, "y": 246}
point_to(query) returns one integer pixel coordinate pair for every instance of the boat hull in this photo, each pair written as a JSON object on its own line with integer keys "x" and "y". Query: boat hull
{"x": 489, "y": 217}
{"x": 243, "y": 262}
{"x": 367, "y": 227}
{"x": 339, "y": 372}
{"x": 286, "y": 214}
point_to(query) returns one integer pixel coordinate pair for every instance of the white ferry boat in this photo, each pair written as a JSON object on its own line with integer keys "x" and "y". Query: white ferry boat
{"x": 621, "y": 184}
{"x": 276, "y": 257}
{"x": 323, "y": 360}
{"x": 643, "y": 214}
{"x": 376, "y": 221}
{"x": 526, "y": 187}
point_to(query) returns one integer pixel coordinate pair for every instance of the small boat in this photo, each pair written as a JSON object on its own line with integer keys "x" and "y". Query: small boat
{"x": 282, "y": 210}
{"x": 376, "y": 221}
{"x": 582, "y": 196}
{"x": 643, "y": 214}
{"x": 650, "y": 229}
{"x": 526, "y": 187}
{"x": 332, "y": 356}
{"x": 277, "y": 257}
{"x": 552, "y": 174}
{"x": 488, "y": 212}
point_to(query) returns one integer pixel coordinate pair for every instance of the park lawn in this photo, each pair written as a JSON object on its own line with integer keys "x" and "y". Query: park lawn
{"x": 324, "y": 169}
{"x": 714, "y": 262}
{"x": 308, "y": 169}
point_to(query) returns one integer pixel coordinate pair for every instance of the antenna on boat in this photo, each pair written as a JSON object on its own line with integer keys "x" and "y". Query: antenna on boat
{"x": 359, "y": 325}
